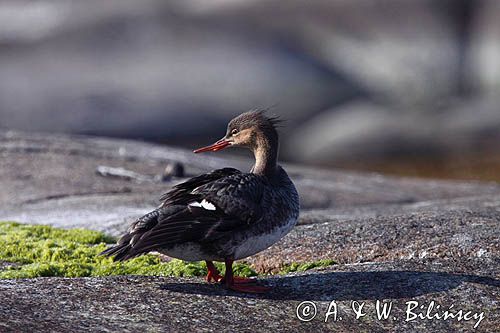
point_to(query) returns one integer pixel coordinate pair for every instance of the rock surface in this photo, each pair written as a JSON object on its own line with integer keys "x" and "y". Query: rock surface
{"x": 395, "y": 239}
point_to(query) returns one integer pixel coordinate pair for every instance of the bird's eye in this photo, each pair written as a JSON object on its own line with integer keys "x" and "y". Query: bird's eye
{"x": 234, "y": 132}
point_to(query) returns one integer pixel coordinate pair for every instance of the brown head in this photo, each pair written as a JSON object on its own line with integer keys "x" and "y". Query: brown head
{"x": 253, "y": 130}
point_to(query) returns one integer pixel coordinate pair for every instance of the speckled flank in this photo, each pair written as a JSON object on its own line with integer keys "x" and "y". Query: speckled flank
{"x": 257, "y": 243}
{"x": 189, "y": 251}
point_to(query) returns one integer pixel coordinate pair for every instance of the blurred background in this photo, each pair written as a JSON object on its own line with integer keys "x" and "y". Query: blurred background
{"x": 401, "y": 87}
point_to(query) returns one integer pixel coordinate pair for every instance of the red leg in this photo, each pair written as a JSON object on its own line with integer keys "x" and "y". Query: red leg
{"x": 246, "y": 286}
{"x": 213, "y": 274}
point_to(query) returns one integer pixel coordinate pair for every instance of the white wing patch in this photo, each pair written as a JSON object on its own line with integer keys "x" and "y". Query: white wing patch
{"x": 203, "y": 204}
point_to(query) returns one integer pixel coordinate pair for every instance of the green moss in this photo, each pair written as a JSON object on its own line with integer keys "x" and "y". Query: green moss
{"x": 47, "y": 251}
{"x": 302, "y": 267}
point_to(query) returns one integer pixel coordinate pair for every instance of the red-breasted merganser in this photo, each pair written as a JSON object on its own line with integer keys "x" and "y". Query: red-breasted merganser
{"x": 224, "y": 215}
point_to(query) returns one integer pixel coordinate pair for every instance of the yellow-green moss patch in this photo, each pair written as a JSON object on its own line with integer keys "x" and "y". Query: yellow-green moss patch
{"x": 39, "y": 250}
{"x": 302, "y": 267}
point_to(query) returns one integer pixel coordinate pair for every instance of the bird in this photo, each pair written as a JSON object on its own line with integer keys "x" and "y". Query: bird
{"x": 226, "y": 214}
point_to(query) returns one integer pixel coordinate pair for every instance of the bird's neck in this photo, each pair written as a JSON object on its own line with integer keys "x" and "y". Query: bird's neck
{"x": 266, "y": 156}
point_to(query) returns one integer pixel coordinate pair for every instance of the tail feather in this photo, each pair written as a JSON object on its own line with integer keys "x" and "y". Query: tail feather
{"x": 124, "y": 249}
{"x": 118, "y": 252}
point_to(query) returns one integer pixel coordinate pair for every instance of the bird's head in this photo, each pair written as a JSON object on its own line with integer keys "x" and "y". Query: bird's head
{"x": 248, "y": 130}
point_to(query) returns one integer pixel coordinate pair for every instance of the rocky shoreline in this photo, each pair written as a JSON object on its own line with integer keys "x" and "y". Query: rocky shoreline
{"x": 395, "y": 239}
